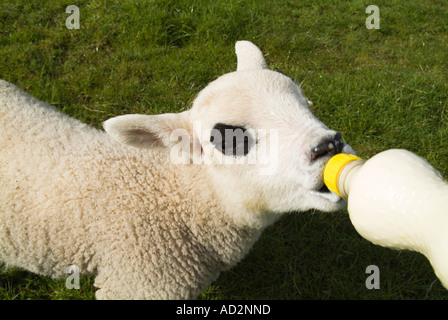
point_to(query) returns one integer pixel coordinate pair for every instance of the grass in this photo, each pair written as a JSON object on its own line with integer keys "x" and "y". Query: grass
{"x": 381, "y": 89}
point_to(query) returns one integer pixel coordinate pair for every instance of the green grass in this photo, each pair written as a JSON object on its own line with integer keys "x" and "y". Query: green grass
{"x": 381, "y": 89}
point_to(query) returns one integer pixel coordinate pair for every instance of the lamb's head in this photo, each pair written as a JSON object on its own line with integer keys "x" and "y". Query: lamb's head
{"x": 253, "y": 133}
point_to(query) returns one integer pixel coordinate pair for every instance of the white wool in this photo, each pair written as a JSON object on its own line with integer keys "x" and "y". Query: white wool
{"x": 148, "y": 228}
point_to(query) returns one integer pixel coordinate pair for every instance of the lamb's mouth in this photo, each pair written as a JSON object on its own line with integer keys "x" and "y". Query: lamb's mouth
{"x": 325, "y": 193}
{"x": 323, "y": 189}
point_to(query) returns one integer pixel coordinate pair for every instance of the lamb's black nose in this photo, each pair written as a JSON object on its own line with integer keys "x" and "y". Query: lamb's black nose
{"x": 330, "y": 146}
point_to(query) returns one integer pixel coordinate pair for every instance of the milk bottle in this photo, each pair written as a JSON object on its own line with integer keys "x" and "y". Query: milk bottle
{"x": 395, "y": 199}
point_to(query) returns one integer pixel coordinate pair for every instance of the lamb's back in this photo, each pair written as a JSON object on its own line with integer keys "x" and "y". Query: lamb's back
{"x": 65, "y": 187}
{"x": 69, "y": 195}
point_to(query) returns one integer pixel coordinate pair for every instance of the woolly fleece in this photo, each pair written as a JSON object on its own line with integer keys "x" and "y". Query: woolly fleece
{"x": 71, "y": 194}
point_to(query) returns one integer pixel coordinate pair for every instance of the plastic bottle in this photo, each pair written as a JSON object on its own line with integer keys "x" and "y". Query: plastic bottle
{"x": 396, "y": 199}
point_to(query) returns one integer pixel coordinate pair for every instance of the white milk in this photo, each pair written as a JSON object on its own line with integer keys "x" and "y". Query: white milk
{"x": 397, "y": 199}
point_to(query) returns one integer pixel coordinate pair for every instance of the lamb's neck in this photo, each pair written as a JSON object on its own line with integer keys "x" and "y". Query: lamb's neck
{"x": 240, "y": 206}
{"x": 225, "y": 230}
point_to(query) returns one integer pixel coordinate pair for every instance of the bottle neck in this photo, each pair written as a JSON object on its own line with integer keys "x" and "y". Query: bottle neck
{"x": 347, "y": 175}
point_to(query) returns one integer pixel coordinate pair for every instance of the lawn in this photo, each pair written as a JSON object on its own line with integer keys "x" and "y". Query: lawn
{"x": 381, "y": 88}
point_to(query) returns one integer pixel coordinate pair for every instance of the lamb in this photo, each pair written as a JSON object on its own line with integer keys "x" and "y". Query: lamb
{"x": 156, "y": 206}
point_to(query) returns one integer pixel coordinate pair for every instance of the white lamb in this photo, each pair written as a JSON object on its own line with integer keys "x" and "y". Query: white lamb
{"x": 151, "y": 217}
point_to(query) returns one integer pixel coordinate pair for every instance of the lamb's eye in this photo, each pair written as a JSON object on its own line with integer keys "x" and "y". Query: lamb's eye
{"x": 231, "y": 140}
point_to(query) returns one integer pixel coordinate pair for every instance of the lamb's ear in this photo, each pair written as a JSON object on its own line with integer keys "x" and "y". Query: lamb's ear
{"x": 147, "y": 131}
{"x": 249, "y": 56}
